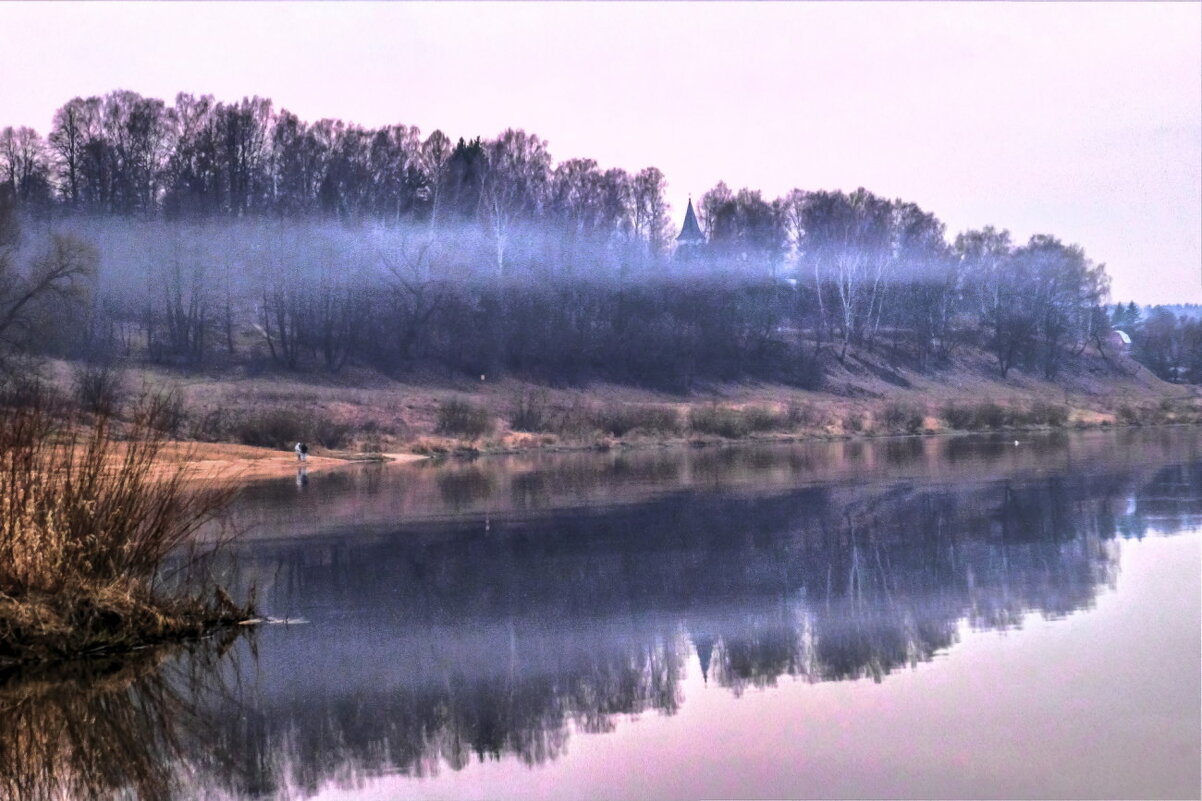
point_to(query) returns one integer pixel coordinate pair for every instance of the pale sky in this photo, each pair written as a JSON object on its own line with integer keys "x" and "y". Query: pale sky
{"x": 1079, "y": 120}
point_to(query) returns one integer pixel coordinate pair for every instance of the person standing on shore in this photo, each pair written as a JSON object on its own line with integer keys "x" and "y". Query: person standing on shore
{"x": 302, "y": 452}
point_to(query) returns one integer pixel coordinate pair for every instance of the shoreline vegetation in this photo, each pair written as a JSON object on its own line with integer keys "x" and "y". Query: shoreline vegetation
{"x": 463, "y": 425}
{"x": 101, "y": 552}
{"x": 244, "y": 428}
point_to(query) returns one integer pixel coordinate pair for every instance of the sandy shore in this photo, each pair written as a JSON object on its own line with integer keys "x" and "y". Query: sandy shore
{"x": 207, "y": 461}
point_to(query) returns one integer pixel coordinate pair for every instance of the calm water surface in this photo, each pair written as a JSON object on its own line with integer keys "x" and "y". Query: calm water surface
{"x": 900, "y": 618}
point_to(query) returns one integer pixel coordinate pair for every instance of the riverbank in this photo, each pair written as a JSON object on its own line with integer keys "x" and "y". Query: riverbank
{"x": 105, "y": 620}
{"x": 243, "y": 426}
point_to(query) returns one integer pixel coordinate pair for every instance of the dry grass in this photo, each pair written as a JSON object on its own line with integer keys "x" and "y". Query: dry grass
{"x": 621, "y": 419}
{"x": 735, "y": 422}
{"x": 992, "y": 416}
{"x": 84, "y": 536}
{"x": 364, "y": 413}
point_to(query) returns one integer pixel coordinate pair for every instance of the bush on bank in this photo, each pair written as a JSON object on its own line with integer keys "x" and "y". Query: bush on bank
{"x": 88, "y": 517}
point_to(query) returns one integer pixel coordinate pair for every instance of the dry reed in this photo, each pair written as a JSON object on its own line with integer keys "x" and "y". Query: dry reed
{"x": 87, "y": 520}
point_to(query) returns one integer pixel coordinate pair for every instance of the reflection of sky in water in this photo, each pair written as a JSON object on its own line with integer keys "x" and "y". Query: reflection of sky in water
{"x": 1076, "y": 708}
{"x": 987, "y": 718}
{"x": 759, "y": 622}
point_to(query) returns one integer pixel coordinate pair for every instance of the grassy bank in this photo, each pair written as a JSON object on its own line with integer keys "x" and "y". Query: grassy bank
{"x": 87, "y": 524}
{"x": 862, "y": 396}
{"x": 247, "y": 422}
{"x": 467, "y": 425}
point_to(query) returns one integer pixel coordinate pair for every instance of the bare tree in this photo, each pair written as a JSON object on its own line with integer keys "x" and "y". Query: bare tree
{"x": 416, "y": 292}
{"x": 514, "y": 187}
{"x": 58, "y": 273}
{"x": 24, "y": 164}
{"x": 651, "y": 211}
{"x": 847, "y": 241}
{"x": 73, "y": 125}
{"x": 435, "y": 156}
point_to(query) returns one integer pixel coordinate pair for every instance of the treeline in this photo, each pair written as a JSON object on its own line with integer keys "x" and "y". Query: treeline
{"x": 232, "y": 230}
{"x": 124, "y": 154}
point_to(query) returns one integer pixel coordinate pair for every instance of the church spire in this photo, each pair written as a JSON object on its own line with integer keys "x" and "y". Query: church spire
{"x": 690, "y": 232}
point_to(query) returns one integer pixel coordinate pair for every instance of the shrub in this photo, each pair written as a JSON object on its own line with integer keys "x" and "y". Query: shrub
{"x": 576, "y": 421}
{"x": 1129, "y": 415}
{"x": 89, "y": 522}
{"x": 211, "y": 426}
{"x": 1049, "y": 414}
{"x": 620, "y": 419}
{"x": 958, "y": 417}
{"x": 765, "y": 418}
{"x": 977, "y": 416}
{"x": 735, "y": 423}
{"x": 854, "y": 422}
{"x": 276, "y": 428}
{"x": 29, "y": 390}
{"x": 164, "y": 412}
{"x": 530, "y": 412}
{"x": 901, "y": 418}
{"x": 989, "y": 415}
{"x": 721, "y": 421}
{"x": 328, "y": 433}
{"x": 280, "y": 428}
{"x": 430, "y": 447}
{"x": 803, "y": 415}
{"x": 460, "y": 418}
{"x": 99, "y": 388}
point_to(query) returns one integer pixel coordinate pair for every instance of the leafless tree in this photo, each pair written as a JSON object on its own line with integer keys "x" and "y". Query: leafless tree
{"x": 60, "y": 272}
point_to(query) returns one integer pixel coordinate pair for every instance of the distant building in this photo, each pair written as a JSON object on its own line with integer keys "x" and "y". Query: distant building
{"x": 691, "y": 241}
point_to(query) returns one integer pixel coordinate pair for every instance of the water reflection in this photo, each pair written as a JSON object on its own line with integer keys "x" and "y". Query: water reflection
{"x": 381, "y": 499}
{"x": 451, "y": 644}
{"x": 598, "y": 586}
{"x": 105, "y": 728}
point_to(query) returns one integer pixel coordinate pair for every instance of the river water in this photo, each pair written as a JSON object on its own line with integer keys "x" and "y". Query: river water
{"x": 901, "y": 618}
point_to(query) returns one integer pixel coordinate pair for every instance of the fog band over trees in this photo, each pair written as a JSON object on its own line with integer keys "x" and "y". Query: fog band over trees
{"x": 203, "y": 233}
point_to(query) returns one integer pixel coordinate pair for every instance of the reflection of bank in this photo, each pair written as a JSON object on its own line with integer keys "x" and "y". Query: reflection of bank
{"x": 139, "y": 725}
{"x": 374, "y": 498}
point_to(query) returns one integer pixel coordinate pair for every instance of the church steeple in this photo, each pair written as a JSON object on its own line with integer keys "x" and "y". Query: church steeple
{"x": 691, "y": 242}
{"x": 690, "y": 232}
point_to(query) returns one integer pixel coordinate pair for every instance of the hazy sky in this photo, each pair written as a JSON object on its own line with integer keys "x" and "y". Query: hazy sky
{"x": 1080, "y": 120}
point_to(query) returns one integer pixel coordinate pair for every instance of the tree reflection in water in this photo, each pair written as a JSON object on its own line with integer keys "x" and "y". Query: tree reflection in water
{"x": 441, "y": 644}
{"x": 108, "y": 727}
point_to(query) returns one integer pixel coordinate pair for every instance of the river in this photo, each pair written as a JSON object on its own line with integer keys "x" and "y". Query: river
{"x": 894, "y": 618}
